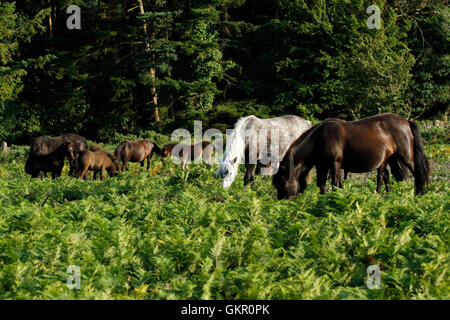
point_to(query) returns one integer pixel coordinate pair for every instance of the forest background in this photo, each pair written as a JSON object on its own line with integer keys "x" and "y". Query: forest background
{"x": 159, "y": 65}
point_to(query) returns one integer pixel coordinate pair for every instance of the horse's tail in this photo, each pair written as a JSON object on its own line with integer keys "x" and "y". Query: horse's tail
{"x": 120, "y": 152}
{"x": 28, "y": 166}
{"x": 421, "y": 164}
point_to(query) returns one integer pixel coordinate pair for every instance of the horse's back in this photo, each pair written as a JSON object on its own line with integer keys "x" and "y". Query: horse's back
{"x": 48, "y": 144}
{"x": 384, "y": 126}
{"x": 287, "y": 128}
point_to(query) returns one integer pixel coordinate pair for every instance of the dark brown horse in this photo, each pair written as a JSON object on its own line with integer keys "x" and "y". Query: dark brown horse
{"x": 97, "y": 161}
{"x": 46, "y": 145}
{"x": 53, "y": 162}
{"x": 136, "y": 151}
{"x": 193, "y": 152}
{"x": 357, "y": 146}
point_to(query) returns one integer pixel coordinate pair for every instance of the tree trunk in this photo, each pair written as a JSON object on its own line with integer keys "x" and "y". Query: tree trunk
{"x": 226, "y": 16}
{"x": 50, "y": 18}
{"x": 4, "y": 146}
{"x": 152, "y": 70}
{"x": 53, "y": 12}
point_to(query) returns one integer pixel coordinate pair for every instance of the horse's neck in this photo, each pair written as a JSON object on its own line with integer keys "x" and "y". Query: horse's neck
{"x": 236, "y": 147}
{"x": 61, "y": 153}
{"x": 302, "y": 154}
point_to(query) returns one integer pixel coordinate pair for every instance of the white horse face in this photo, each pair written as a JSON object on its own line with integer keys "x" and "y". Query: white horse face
{"x": 227, "y": 171}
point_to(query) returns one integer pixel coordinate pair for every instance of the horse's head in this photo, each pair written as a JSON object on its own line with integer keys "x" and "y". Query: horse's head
{"x": 166, "y": 151}
{"x": 285, "y": 180}
{"x": 68, "y": 148}
{"x": 115, "y": 161}
{"x": 227, "y": 171}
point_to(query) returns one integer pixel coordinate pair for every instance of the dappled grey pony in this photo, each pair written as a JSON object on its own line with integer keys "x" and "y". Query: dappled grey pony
{"x": 259, "y": 143}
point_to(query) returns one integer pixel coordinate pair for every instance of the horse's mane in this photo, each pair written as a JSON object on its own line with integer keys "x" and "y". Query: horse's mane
{"x": 157, "y": 149}
{"x": 235, "y": 146}
{"x": 94, "y": 147}
{"x": 299, "y": 146}
{"x": 169, "y": 147}
{"x": 112, "y": 157}
{"x": 313, "y": 129}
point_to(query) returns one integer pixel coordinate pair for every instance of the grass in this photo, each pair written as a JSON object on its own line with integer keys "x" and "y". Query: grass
{"x": 174, "y": 234}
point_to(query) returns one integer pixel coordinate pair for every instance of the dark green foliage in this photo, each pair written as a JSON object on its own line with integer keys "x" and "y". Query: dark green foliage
{"x": 177, "y": 234}
{"x": 215, "y": 61}
{"x": 430, "y": 44}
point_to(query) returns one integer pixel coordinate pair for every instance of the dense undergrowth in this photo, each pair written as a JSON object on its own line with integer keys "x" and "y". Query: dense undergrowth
{"x": 174, "y": 234}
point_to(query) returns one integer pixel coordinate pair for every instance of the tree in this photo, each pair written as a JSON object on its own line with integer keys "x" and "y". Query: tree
{"x": 430, "y": 43}
{"x": 200, "y": 48}
{"x": 159, "y": 50}
{"x": 14, "y": 30}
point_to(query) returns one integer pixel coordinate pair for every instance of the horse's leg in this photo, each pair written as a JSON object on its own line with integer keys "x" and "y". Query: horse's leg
{"x": 322, "y": 174}
{"x": 101, "y": 173}
{"x": 207, "y": 155}
{"x": 336, "y": 174}
{"x": 95, "y": 174}
{"x": 82, "y": 173}
{"x": 379, "y": 179}
{"x": 249, "y": 177}
{"x": 386, "y": 180}
{"x": 141, "y": 163}
{"x": 125, "y": 165}
{"x": 380, "y": 175}
{"x": 184, "y": 161}
{"x": 149, "y": 158}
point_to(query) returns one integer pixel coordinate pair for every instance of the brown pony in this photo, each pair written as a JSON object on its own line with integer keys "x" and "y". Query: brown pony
{"x": 97, "y": 161}
{"x": 194, "y": 152}
{"x": 40, "y": 163}
{"x": 136, "y": 151}
{"x": 46, "y": 145}
{"x": 356, "y": 146}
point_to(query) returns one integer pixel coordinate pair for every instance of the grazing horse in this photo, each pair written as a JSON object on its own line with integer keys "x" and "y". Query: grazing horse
{"x": 191, "y": 152}
{"x": 53, "y": 162}
{"x": 136, "y": 151}
{"x": 46, "y": 145}
{"x": 97, "y": 161}
{"x": 356, "y": 146}
{"x": 254, "y": 140}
